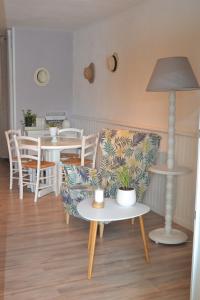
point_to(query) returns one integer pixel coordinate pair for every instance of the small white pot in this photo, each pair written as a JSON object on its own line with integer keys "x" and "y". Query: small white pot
{"x": 126, "y": 197}
{"x": 53, "y": 133}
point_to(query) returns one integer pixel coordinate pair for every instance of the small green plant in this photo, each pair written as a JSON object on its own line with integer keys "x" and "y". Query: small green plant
{"x": 125, "y": 177}
{"x": 29, "y": 118}
{"x": 52, "y": 124}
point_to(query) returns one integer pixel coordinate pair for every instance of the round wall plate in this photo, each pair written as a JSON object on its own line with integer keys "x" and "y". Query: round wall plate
{"x": 41, "y": 76}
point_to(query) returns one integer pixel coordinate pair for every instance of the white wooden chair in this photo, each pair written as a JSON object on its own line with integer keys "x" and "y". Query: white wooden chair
{"x": 88, "y": 156}
{"x": 12, "y": 154}
{"x": 29, "y": 158}
{"x": 70, "y": 133}
{"x": 88, "y": 152}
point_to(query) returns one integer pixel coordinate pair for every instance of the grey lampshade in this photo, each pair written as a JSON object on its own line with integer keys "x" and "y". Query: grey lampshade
{"x": 172, "y": 74}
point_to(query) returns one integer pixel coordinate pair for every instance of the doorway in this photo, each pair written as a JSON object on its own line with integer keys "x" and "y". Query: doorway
{"x": 4, "y": 106}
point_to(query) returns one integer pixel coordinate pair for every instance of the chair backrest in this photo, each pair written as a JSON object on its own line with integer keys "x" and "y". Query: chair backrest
{"x": 10, "y": 142}
{"x": 71, "y": 132}
{"x": 28, "y": 148}
{"x": 89, "y": 149}
{"x": 137, "y": 150}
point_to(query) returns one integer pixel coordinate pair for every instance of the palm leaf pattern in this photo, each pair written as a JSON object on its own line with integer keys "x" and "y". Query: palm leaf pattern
{"x": 109, "y": 148}
{"x": 136, "y": 149}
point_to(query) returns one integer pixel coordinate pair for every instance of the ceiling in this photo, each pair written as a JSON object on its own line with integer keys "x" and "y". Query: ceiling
{"x": 61, "y": 14}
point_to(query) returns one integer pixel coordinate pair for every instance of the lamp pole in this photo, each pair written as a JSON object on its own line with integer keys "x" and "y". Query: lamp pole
{"x": 168, "y": 235}
{"x": 170, "y": 162}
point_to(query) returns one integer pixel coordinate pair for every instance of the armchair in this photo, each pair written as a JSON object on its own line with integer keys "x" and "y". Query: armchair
{"x": 117, "y": 147}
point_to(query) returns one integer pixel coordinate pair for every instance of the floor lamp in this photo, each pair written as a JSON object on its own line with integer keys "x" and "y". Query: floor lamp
{"x": 171, "y": 74}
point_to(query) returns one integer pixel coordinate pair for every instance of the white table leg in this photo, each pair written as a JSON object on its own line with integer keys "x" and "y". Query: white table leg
{"x": 54, "y": 156}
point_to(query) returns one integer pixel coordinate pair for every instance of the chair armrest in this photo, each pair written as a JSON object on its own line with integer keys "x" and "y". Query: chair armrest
{"x": 80, "y": 177}
{"x": 82, "y": 187}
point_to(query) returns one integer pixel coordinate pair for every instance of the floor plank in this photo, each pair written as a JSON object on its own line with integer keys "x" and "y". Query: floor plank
{"x": 42, "y": 258}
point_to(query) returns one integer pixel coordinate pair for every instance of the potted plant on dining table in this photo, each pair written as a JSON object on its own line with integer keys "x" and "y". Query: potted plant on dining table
{"x": 126, "y": 194}
{"x": 53, "y": 130}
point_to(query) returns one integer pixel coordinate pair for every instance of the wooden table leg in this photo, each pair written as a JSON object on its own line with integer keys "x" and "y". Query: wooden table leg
{"x": 92, "y": 242}
{"x": 89, "y": 239}
{"x": 101, "y": 229}
{"x": 146, "y": 251}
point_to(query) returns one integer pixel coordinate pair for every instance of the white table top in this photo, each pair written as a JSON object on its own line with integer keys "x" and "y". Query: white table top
{"x": 164, "y": 170}
{"x": 62, "y": 143}
{"x": 111, "y": 211}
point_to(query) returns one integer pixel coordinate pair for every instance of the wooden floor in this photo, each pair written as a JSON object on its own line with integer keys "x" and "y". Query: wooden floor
{"x": 42, "y": 258}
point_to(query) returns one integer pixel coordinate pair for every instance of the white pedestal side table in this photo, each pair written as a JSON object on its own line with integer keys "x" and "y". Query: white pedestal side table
{"x": 54, "y": 149}
{"x": 111, "y": 212}
{"x": 168, "y": 235}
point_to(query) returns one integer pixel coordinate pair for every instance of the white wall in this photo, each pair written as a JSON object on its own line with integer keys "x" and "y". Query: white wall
{"x": 195, "y": 278}
{"x": 152, "y": 29}
{"x": 52, "y": 50}
{"x": 2, "y": 17}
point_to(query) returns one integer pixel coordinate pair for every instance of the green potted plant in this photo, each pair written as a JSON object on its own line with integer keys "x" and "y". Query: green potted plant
{"x": 126, "y": 195}
{"x": 53, "y": 130}
{"x": 29, "y": 118}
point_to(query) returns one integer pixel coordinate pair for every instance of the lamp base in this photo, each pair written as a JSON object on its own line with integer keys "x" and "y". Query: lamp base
{"x": 174, "y": 237}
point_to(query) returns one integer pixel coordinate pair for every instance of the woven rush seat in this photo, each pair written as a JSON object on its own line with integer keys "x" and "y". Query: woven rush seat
{"x": 33, "y": 164}
{"x": 76, "y": 161}
{"x": 66, "y": 155}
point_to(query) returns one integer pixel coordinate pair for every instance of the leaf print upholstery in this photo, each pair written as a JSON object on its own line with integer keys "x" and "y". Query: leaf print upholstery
{"x": 118, "y": 147}
{"x": 80, "y": 184}
{"x": 138, "y": 150}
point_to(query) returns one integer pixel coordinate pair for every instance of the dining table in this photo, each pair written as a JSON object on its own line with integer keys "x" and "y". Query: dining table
{"x": 52, "y": 148}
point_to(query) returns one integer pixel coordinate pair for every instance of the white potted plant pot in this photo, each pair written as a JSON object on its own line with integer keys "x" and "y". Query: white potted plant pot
{"x": 126, "y": 197}
{"x": 53, "y": 133}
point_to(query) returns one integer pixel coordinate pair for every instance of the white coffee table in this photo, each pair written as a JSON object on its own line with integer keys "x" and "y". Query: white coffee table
{"x": 111, "y": 212}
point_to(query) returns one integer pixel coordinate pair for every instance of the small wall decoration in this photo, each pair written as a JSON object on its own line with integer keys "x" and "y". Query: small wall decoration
{"x": 112, "y": 62}
{"x": 41, "y": 76}
{"x": 89, "y": 73}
